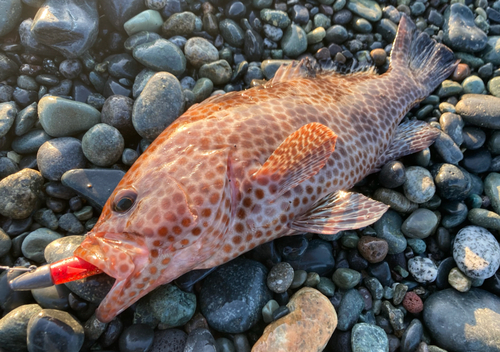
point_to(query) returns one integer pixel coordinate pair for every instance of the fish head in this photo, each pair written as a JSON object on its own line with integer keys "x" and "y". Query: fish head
{"x": 156, "y": 226}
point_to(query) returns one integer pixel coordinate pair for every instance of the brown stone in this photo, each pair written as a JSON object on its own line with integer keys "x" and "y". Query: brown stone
{"x": 379, "y": 56}
{"x": 373, "y": 249}
{"x": 308, "y": 326}
{"x": 461, "y": 72}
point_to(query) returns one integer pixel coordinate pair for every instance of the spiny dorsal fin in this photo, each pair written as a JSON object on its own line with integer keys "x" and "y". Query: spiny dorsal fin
{"x": 339, "y": 211}
{"x": 299, "y": 157}
{"x": 302, "y": 69}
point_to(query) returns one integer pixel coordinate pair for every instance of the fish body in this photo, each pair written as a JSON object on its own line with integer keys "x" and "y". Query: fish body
{"x": 244, "y": 168}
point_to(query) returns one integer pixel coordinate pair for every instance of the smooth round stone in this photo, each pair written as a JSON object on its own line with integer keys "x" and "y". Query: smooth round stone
{"x": 34, "y": 244}
{"x": 459, "y": 281}
{"x": 469, "y": 317}
{"x": 238, "y": 307}
{"x": 336, "y": 34}
{"x": 494, "y": 86}
{"x": 346, "y": 278}
{"x": 449, "y": 88}
{"x": 161, "y": 55}
{"x": 473, "y": 85}
{"x": 93, "y": 288}
{"x": 396, "y": 200}
{"x": 447, "y": 149}
{"x": 200, "y": 340}
{"x": 309, "y": 311}
{"x": 492, "y": 190}
{"x": 476, "y": 252}
{"x": 140, "y": 38}
{"x": 219, "y": 72}
{"x": 170, "y": 340}
{"x": 70, "y": 223}
{"x": 10, "y": 11}
{"x": 232, "y": 33}
{"x": 19, "y": 193}
{"x": 480, "y": 110}
{"x": 473, "y": 137}
{"x": 351, "y": 306}
{"x": 460, "y": 31}
{"x": 477, "y": 161}
{"x": 59, "y": 155}
{"x": 183, "y": 24}
{"x": 412, "y": 336}
{"x": 273, "y": 33}
{"x": 367, "y": 9}
{"x": 373, "y": 249}
{"x": 452, "y": 182}
{"x": 422, "y": 269}
{"x": 70, "y": 68}
{"x": 54, "y": 330}
{"x": 413, "y": 303}
{"x": 52, "y": 297}
{"x": 417, "y": 245}
{"x": 117, "y": 112}
{"x": 275, "y": 18}
{"x": 420, "y": 224}
{"x": 452, "y": 125}
{"x": 280, "y": 277}
{"x": 368, "y": 337}
{"x": 202, "y": 89}
{"x": 26, "y": 119}
{"x": 137, "y": 337}
{"x": 392, "y": 174}
{"x": 27, "y": 83}
{"x": 149, "y": 20}
{"x": 253, "y": 46}
{"x": 8, "y": 113}
{"x": 14, "y": 324}
{"x": 316, "y": 35}
{"x": 159, "y": 104}
{"x": 7, "y": 167}
{"x": 294, "y": 41}
{"x": 103, "y": 145}
{"x": 30, "y": 142}
{"x": 419, "y": 186}
{"x": 494, "y": 143}
{"x": 200, "y": 51}
{"x": 61, "y": 117}
{"x": 388, "y": 228}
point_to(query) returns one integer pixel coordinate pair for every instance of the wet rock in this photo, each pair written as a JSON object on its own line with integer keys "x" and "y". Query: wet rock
{"x": 309, "y": 311}
{"x": 59, "y": 155}
{"x": 19, "y": 193}
{"x": 460, "y": 31}
{"x": 13, "y": 327}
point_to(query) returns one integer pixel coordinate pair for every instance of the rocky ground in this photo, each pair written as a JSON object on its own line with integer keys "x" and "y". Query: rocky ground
{"x": 80, "y": 99}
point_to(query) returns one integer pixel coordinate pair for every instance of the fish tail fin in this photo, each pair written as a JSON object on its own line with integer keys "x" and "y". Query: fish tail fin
{"x": 427, "y": 61}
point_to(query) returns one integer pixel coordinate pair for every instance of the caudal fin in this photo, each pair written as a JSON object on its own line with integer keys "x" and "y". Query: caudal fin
{"x": 428, "y": 62}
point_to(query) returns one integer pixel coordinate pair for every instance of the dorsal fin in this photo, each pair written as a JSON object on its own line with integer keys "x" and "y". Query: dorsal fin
{"x": 299, "y": 157}
{"x": 302, "y": 69}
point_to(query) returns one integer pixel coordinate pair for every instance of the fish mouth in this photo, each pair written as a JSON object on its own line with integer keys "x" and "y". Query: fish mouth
{"x": 117, "y": 254}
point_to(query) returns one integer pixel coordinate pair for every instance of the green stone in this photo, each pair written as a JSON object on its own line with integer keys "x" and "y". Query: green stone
{"x": 469, "y": 59}
{"x": 350, "y": 239}
{"x": 492, "y": 190}
{"x": 232, "y": 33}
{"x": 473, "y": 85}
{"x": 320, "y": 20}
{"x": 312, "y": 279}
{"x": 494, "y": 86}
{"x": 299, "y": 277}
{"x": 61, "y": 117}
{"x": 361, "y": 25}
{"x": 268, "y": 309}
{"x": 316, "y": 36}
{"x": 449, "y": 88}
{"x": 367, "y": 9}
{"x": 219, "y": 72}
{"x": 294, "y": 41}
{"x": 326, "y": 286}
{"x": 368, "y": 337}
{"x": 431, "y": 99}
{"x": 10, "y": 12}
{"x": 459, "y": 281}
{"x": 339, "y": 5}
{"x": 346, "y": 278}
{"x": 171, "y": 306}
{"x": 84, "y": 214}
{"x": 149, "y": 20}
{"x": 395, "y": 200}
{"x": 389, "y": 229}
{"x": 27, "y": 82}
{"x": 202, "y": 89}
{"x": 492, "y": 51}
{"x": 276, "y": 18}
{"x": 161, "y": 55}
{"x": 484, "y": 218}
{"x": 417, "y": 245}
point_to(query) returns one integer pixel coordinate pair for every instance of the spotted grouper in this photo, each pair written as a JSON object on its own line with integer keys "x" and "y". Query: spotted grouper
{"x": 245, "y": 168}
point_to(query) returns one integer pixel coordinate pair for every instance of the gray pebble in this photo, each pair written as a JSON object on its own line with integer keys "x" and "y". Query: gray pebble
{"x": 19, "y": 193}
{"x": 419, "y": 186}
{"x": 280, "y": 277}
{"x": 103, "y": 145}
{"x": 8, "y": 113}
{"x": 420, "y": 224}
{"x": 34, "y": 244}
{"x": 200, "y": 51}
{"x": 59, "y": 155}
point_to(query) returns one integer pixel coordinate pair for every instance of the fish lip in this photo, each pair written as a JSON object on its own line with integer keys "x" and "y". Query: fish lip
{"x": 112, "y": 253}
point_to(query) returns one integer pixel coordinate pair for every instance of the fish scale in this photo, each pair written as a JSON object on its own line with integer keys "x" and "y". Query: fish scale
{"x": 244, "y": 168}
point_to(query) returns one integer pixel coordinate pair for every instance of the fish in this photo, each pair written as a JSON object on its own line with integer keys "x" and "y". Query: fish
{"x": 244, "y": 168}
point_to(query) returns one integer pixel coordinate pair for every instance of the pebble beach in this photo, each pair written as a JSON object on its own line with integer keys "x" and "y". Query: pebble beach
{"x": 87, "y": 85}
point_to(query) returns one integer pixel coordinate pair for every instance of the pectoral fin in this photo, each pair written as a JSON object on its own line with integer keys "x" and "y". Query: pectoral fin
{"x": 410, "y": 137}
{"x": 340, "y": 211}
{"x": 299, "y": 157}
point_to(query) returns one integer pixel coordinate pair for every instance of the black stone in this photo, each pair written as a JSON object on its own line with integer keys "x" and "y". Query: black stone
{"x": 122, "y": 66}
{"x": 477, "y": 161}
{"x": 444, "y": 269}
{"x": 200, "y": 340}
{"x": 382, "y": 272}
{"x": 254, "y": 45}
{"x": 95, "y": 185}
{"x": 236, "y": 10}
{"x": 24, "y": 97}
{"x": 299, "y": 14}
{"x": 187, "y": 281}
{"x": 113, "y": 87}
{"x": 318, "y": 257}
{"x": 7, "y": 67}
{"x": 80, "y": 91}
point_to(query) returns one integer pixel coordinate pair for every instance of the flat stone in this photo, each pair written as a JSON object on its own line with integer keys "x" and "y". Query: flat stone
{"x": 161, "y": 55}
{"x": 471, "y": 318}
{"x": 366, "y": 9}
{"x": 148, "y": 20}
{"x": 68, "y": 26}
{"x": 373, "y": 249}
{"x": 159, "y": 104}
{"x": 309, "y": 311}
{"x": 480, "y": 110}
{"x": 61, "y": 117}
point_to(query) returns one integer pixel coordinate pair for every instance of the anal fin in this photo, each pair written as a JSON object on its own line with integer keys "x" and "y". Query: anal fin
{"x": 410, "y": 137}
{"x": 299, "y": 157}
{"x": 340, "y": 211}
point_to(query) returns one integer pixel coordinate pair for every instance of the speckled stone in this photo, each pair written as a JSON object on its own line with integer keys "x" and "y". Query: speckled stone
{"x": 422, "y": 269}
{"x": 419, "y": 186}
{"x": 309, "y": 311}
{"x": 19, "y": 193}
{"x": 280, "y": 277}
{"x": 373, "y": 249}
{"x": 476, "y": 252}
{"x": 368, "y": 337}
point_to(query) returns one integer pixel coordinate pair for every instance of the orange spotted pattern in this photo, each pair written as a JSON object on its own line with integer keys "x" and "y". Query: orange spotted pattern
{"x": 203, "y": 196}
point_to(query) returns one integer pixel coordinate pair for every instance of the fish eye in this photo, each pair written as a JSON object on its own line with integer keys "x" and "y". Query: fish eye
{"x": 124, "y": 201}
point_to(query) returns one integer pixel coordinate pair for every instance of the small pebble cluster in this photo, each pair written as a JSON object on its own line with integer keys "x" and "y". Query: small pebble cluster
{"x": 86, "y": 85}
